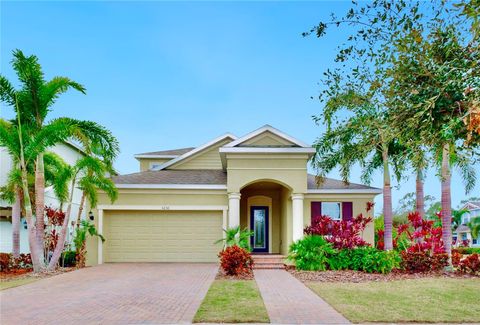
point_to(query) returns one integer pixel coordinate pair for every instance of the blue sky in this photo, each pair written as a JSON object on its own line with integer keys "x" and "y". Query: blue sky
{"x": 164, "y": 75}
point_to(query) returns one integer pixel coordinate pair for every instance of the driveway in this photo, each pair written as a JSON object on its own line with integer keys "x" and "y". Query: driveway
{"x": 126, "y": 293}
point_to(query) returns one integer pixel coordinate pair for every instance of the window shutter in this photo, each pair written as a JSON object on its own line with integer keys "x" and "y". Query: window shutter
{"x": 347, "y": 211}
{"x": 316, "y": 210}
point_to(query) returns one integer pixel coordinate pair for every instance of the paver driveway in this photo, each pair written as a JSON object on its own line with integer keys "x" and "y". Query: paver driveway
{"x": 111, "y": 294}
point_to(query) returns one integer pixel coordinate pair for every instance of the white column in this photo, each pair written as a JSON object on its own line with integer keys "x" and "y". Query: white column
{"x": 233, "y": 210}
{"x": 297, "y": 209}
{"x": 100, "y": 231}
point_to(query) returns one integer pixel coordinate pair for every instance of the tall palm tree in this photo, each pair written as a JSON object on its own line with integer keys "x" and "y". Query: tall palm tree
{"x": 35, "y": 134}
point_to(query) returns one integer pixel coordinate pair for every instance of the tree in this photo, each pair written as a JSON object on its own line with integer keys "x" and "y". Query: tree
{"x": 90, "y": 173}
{"x": 364, "y": 137}
{"x": 81, "y": 232}
{"x": 35, "y": 134}
{"x": 418, "y": 52}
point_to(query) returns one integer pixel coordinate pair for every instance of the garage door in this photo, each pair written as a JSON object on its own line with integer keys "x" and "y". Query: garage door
{"x": 162, "y": 236}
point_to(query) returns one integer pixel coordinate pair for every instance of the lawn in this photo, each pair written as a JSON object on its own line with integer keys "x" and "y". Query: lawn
{"x": 427, "y": 300}
{"x": 232, "y": 301}
{"x": 15, "y": 283}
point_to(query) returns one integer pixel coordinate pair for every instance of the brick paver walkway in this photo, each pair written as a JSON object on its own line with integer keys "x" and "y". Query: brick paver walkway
{"x": 289, "y": 301}
{"x": 111, "y": 294}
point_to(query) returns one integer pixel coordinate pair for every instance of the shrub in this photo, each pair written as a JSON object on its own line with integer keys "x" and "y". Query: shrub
{"x": 311, "y": 253}
{"x": 470, "y": 264}
{"x": 236, "y": 236}
{"x": 456, "y": 257}
{"x": 4, "y": 261}
{"x": 423, "y": 261}
{"x": 342, "y": 234}
{"x": 235, "y": 260}
{"x": 68, "y": 258}
{"x": 366, "y": 259}
{"x": 468, "y": 250}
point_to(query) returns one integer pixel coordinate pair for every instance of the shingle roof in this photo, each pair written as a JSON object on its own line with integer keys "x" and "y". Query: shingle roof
{"x": 168, "y": 176}
{"x": 333, "y": 184}
{"x": 462, "y": 228}
{"x": 212, "y": 176}
{"x": 172, "y": 152}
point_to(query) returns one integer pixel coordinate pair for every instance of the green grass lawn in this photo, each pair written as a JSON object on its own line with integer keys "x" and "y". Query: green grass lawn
{"x": 232, "y": 301}
{"x": 421, "y": 300}
{"x": 15, "y": 283}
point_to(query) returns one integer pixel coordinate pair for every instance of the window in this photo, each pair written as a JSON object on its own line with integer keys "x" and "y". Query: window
{"x": 464, "y": 236}
{"x": 332, "y": 209}
{"x": 155, "y": 165}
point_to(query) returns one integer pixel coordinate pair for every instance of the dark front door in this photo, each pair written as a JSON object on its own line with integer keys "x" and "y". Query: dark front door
{"x": 259, "y": 226}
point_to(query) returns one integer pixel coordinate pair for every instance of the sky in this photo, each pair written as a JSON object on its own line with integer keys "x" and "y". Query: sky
{"x": 164, "y": 75}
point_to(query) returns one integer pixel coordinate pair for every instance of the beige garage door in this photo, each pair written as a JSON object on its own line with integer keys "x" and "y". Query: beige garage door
{"x": 162, "y": 236}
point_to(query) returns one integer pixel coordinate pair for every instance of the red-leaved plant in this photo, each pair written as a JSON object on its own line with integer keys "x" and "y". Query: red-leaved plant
{"x": 342, "y": 233}
{"x": 470, "y": 264}
{"x": 55, "y": 217}
{"x": 236, "y": 261}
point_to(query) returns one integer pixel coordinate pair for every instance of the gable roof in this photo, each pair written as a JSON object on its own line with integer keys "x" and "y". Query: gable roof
{"x": 471, "y": 205}
{"x": 196, "y": 150}
{"x": 264, "y": 129}
{"x": 172, "y": 153}
{"x": 330, "y": 185}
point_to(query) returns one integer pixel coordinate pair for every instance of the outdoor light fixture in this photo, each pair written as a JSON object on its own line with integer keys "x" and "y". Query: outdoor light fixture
{"x": 91, "y": 216}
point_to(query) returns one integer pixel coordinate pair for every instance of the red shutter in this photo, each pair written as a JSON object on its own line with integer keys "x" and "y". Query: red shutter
{"x": 316, "y": 210}
{"x": 347, "y": 211}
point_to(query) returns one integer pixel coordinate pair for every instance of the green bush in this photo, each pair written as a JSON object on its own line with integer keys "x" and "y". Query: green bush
{"x": 311, "y": 253}
{"x": 366, "y": 259}
{"x": 68, "y": 259}
{"x": 469, "y": 250}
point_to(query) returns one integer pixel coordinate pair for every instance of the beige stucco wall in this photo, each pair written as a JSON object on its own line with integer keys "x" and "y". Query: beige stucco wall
{"x": 266, "y": 139}
{"x": 288, "y": 170}
{"x": 155, "y": 197}
{"x": 145, "y": 162}
{"x": 359, "y": 202}
{"x": 286, "y": 222}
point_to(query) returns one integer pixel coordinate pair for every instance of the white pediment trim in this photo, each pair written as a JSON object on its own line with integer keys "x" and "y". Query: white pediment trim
{"x": 263, "y": 129}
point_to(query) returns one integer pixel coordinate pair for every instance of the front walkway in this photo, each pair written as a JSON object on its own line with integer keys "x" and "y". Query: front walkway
{"x": 131, "y": 293}
{"x": 289, "y": 301}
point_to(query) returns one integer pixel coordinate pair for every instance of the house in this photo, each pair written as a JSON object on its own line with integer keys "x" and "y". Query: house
{"x": 70, "y": 154}
{"x": 463, "y": 233}
{"x": 175, "y": 207}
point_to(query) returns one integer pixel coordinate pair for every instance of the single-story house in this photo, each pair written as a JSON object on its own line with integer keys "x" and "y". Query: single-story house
{"x": 175, "y": 207}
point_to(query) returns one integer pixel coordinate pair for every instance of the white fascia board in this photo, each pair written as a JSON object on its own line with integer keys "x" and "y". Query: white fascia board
{"x": 155, "y": 156}
{"x": 307, "y": 150}
{"x": 174, "y": 186}
{"x": 194, "y": 151}
{"x": 264, "y": 129}
{"x": 346, "y": 191}
{"x": 102, "y": 207}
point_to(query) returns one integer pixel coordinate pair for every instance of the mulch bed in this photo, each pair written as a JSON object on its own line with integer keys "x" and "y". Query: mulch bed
{"x": 27, "y": 273}
{"x": 357, "y": 276}
{"x": 222, "y": 276}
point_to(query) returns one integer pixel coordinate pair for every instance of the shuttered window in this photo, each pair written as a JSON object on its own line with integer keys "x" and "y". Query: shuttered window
{"x": 335, "y": 210}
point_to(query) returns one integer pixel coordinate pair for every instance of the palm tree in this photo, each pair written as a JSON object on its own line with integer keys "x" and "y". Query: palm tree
{"x": 365, "y": 138}
{"x": 236, "y": 236}
{"x": 89, "y": 172}
{"x": 32, "y": 103}
{"x": 474, "y": 226}
{"x": 86, "y": 228}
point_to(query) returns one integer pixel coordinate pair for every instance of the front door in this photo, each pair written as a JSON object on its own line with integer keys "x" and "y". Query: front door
{"x": 259, "y": 226}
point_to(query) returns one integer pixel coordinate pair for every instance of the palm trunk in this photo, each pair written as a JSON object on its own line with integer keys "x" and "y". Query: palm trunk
{"x": 63, "y": 233}
{"x": 446, "y": 202}
{"x": 36, "y": 252}
{"x": 16, "y": 216}
{"x": 40, "y": 200}
{"x": 387, "y": 202}
{"x": 80, "y": 209}
{"x": 420, "y": 195}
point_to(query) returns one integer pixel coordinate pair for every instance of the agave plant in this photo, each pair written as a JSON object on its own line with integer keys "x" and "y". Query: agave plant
{"x": 235, "y": 236}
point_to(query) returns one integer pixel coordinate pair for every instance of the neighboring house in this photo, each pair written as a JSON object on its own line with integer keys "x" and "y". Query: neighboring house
{"x": 70, "y": 153}
{"x": 175, "y": 208}
{"x": 463, "y": 233}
